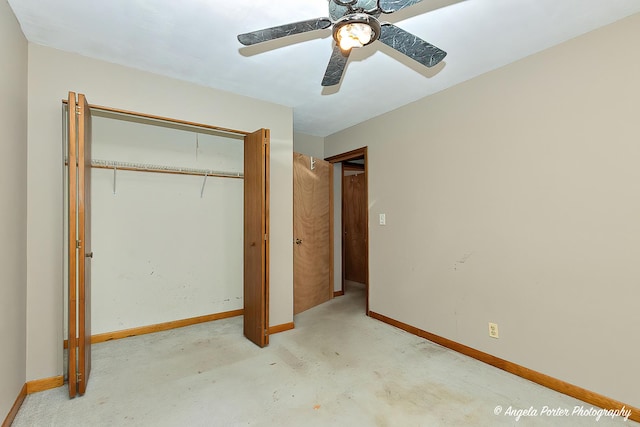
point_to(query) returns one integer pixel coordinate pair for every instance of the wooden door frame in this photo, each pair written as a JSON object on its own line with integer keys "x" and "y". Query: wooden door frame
{"x": 359, "y": 153}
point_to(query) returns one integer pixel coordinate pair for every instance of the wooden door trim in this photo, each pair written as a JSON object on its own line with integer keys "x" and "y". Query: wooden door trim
{"x": 358, "y": 153}
{"x": 343, "y": 255}
{"x": 331, "y": 239}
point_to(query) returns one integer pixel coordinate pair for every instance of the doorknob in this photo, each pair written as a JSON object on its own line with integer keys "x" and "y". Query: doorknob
{"x": 298, "y": 242}
{"x": 89, "y": 255}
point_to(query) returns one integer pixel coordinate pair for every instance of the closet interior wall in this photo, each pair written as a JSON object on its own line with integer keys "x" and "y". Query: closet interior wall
{"x": 166, "y": 246}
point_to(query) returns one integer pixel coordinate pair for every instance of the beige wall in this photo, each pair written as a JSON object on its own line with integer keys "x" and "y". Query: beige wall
{"x": 515, "y": 198}
{"x": 158, "y": 234}
{"x": 13, "y": 207}
{"x": 309, "y": 145}
{"x": 52, "y": 74}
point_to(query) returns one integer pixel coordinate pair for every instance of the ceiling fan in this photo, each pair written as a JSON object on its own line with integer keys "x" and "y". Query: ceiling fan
{"x": 355, "y": 24}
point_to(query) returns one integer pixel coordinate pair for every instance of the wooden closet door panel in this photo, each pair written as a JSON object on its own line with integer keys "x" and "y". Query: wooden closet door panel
{"x": 72, "y": 183}
{"x": 80, "y": 254}
{"x": 256, "y": 229}
{"x": 85, "y": 253}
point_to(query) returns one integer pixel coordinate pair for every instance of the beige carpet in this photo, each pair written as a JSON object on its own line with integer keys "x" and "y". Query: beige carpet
{"x": 337, "y": 368}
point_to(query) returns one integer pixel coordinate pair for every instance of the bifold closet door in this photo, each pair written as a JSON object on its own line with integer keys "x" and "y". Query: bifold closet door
{"x": 256, "y": 237}
{"x": 80, "y": 254}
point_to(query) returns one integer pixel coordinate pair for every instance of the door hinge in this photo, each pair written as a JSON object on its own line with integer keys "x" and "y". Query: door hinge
{"x": 79, "y": 377}
{"x": 265, "y": 237}
{"x": 77, "y": 109}
{"x": 78, "y": 244}
{"x": 266, "y": 332}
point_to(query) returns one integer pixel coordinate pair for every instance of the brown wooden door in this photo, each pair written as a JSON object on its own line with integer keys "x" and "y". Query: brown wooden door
{"x": 311, "y": 233}
{"x": 354, "y": 211}
{"x": 256, "y": 235}
{"x": 80, "y": 254}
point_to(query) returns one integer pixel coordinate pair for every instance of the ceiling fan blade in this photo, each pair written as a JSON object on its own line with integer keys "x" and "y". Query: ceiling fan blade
{"x": 410, "y": 45}
{"x": 273, "y": 33}
{"x": 390, "y": 6}
{"x": 336, "y": 66}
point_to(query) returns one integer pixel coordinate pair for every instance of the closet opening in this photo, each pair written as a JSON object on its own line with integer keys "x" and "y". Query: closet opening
{"x": 167, "y": 225}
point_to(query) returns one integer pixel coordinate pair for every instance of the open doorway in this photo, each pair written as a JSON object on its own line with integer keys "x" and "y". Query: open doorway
{"x": 351, "y": 222}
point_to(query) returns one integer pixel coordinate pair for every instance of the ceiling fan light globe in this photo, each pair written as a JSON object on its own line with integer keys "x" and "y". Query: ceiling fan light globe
{"x": 354, "y": 35}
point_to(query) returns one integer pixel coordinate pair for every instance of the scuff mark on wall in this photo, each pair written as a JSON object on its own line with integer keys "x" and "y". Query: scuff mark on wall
{"x": 462, "y": 260}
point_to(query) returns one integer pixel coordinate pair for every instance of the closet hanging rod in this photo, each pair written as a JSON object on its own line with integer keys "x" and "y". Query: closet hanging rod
{"x": 140, "y": 167}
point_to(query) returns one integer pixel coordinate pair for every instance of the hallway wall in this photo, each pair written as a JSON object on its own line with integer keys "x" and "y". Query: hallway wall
{"x": 310, "y": 145}
{"x": 13, "y": 207}
{"x": 513, "y": 198}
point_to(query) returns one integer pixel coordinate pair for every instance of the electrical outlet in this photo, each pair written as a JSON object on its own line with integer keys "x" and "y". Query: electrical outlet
{"x": 493, "y": 330}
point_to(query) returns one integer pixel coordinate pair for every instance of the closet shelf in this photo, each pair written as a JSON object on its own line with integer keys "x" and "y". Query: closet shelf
{"x": 141, "y": 167}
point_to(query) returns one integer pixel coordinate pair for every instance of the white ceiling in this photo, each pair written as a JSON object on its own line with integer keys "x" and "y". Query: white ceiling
{"x": 195, "y": 40}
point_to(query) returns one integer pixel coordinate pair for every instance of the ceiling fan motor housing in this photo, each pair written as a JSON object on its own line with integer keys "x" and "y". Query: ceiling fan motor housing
{"x": 340, "y": 8}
